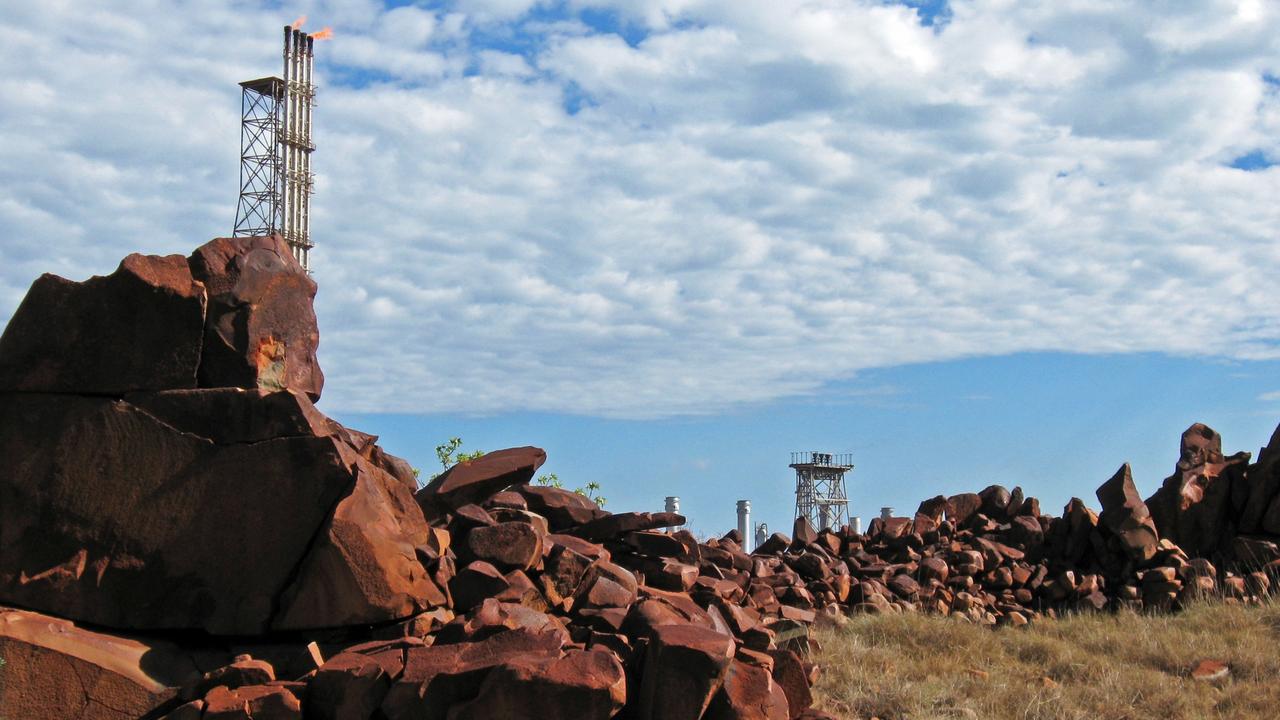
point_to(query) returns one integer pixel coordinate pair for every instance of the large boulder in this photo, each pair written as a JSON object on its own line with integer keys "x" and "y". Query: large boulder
{"x": 111, "y": 515}
{"x": 1194, "y": 507}
{"x": 139, "y": 328}
{"x": 1261, "y": 512}
{"x": 1126, "y": 515}
{"x": 261, "y": 329}
{"x": 56, "y": 669}
{"x": 684, "y": 668}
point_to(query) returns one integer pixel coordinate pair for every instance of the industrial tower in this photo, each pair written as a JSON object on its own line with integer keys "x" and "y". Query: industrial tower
{"x": 820, "y": 493}
{"x": 275, "y": 150}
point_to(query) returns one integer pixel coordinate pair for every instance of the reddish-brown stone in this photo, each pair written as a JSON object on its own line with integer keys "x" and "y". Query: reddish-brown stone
{"x": 349, "y": 685}
{"x": 590, "y": 685}
{"x": 684, "y": 668}
{"x": 562, "y": 508}
{"x": 749, "y": 693}
{"x": 508, "y": 545}
{"x": 362, "y": 568}
{"x": 789, "y": 672}
{"x": 116, "y": 518}
{"x": 56, "y": 669}
{"x": 261, "y": 327}
{"x": 139, "y": 328}
{"x": 1124, "y": 513}
{"x": 474, "y": 481}
{"x": 1194, "y": 507}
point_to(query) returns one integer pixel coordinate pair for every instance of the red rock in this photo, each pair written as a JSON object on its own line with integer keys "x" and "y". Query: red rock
{"x": 684, "y": 668}
{"x": 613, "y": 526}
{"x": 474, "y": 583}
{"x": 749, "y": 693}
{"x": 1210, "y": 671}
{"x": 349, "y": 685}
{"x": 583, "y": 684}
{"x": 562, "y": 508}
{"x": 789, "y": 672}
{"x": 995, "y": 502}
{"x": 1260, "y": 494}
{"x": 608, "y": 585}
{"x": 194, "y": 559}
{"x": 227, "y": 416}
{"x": 474, "y": 481}
{"x": 244, "y": 671}
{"x": 56, "y": 669}
{"x": 1194, "y": 507}
{"x": 962, "y": 507}
{"x": 261, "y": 327}
{"x": 508, "y": 545}
{"x": 362, "y": 568}
{"x": 138, "y": 328}
{"x": 1124, "y": 513}
{"x": 440, "y": 676}
{"x": 252, "y": 702}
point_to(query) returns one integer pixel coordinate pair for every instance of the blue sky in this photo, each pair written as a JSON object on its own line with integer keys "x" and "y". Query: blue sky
{"x": 674, "y": 240}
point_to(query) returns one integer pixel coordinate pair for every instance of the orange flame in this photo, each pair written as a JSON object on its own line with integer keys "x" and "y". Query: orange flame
{"x": 325, "y": 34}
{"x": 297, "y": 24}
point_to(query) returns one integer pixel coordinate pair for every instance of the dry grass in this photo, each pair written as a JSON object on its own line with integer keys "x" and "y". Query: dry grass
{"x": 1126, "y": 666}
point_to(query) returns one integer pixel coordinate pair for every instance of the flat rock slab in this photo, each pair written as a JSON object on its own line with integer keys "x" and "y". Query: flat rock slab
{"x": 55, "y": 669}
{"x": 474, "y": 481}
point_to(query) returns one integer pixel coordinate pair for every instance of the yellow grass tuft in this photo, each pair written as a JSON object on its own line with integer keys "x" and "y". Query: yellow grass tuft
{"x": 1123, "y": 666}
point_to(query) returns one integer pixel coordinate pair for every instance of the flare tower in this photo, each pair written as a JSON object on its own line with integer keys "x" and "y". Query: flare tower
{"x": 275, "y": 150}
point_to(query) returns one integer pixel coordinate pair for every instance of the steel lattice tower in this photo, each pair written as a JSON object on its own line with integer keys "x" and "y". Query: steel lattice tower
{"x": 820, "y": 492}
{"x": 275, "y": 150}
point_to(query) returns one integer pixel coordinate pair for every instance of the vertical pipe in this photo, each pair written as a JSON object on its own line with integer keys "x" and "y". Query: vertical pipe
{"x": 295, "y": 129}
{"x": 282, "y": 142}
{"x": 744, "y": 524}
{"x": 855, "y": 523}
{"x": 824, "y": 516}
{"x": 886, "y": 513}
{"x": 673, "y": 504}
{"x": 305, "y": 239}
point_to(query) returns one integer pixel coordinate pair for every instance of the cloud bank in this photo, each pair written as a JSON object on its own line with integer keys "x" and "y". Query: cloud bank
{"x": 643, "y": 208}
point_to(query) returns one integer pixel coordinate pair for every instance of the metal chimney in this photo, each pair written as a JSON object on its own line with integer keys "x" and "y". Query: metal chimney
{"x": 744, "y": 524}
{"x": 886, "y": 513}
{"x": 275, "y": 150}
{"x": 673, "y": 504}
{"x": 855, "y": 522}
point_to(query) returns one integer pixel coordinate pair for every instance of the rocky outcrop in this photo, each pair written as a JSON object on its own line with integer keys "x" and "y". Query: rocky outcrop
{"x": 238, "y": 554}
{"x": 1197, "y": 507}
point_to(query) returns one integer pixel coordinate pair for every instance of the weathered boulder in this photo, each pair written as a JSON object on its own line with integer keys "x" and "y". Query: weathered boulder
{"x": 349, "y": 685}
{"x": 684, "y": 668}
{"x": 363, "y": 568}
{"x": 1124, "y": 513}
{"x": 474, "y": 481}
{"x": 1194, "y": 507}
{"x": 54, "y": 669}
{"x": 261, "y": 327}
{"x": 1261, "y": 511}
{"x": 118, "y": 518}
{"x": 589, "y": 684}
{"x": 139, "y": 328}
{"x": 562, "y": 508}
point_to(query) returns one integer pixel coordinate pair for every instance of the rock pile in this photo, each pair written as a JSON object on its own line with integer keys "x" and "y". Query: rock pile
{"x": 184, "y": 535}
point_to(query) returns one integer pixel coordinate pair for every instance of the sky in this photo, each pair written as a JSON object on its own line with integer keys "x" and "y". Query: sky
{"x": 672, "y": 241}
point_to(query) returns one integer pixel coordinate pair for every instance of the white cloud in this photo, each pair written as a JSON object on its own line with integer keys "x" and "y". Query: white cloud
{"x": 748, "y": 200}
